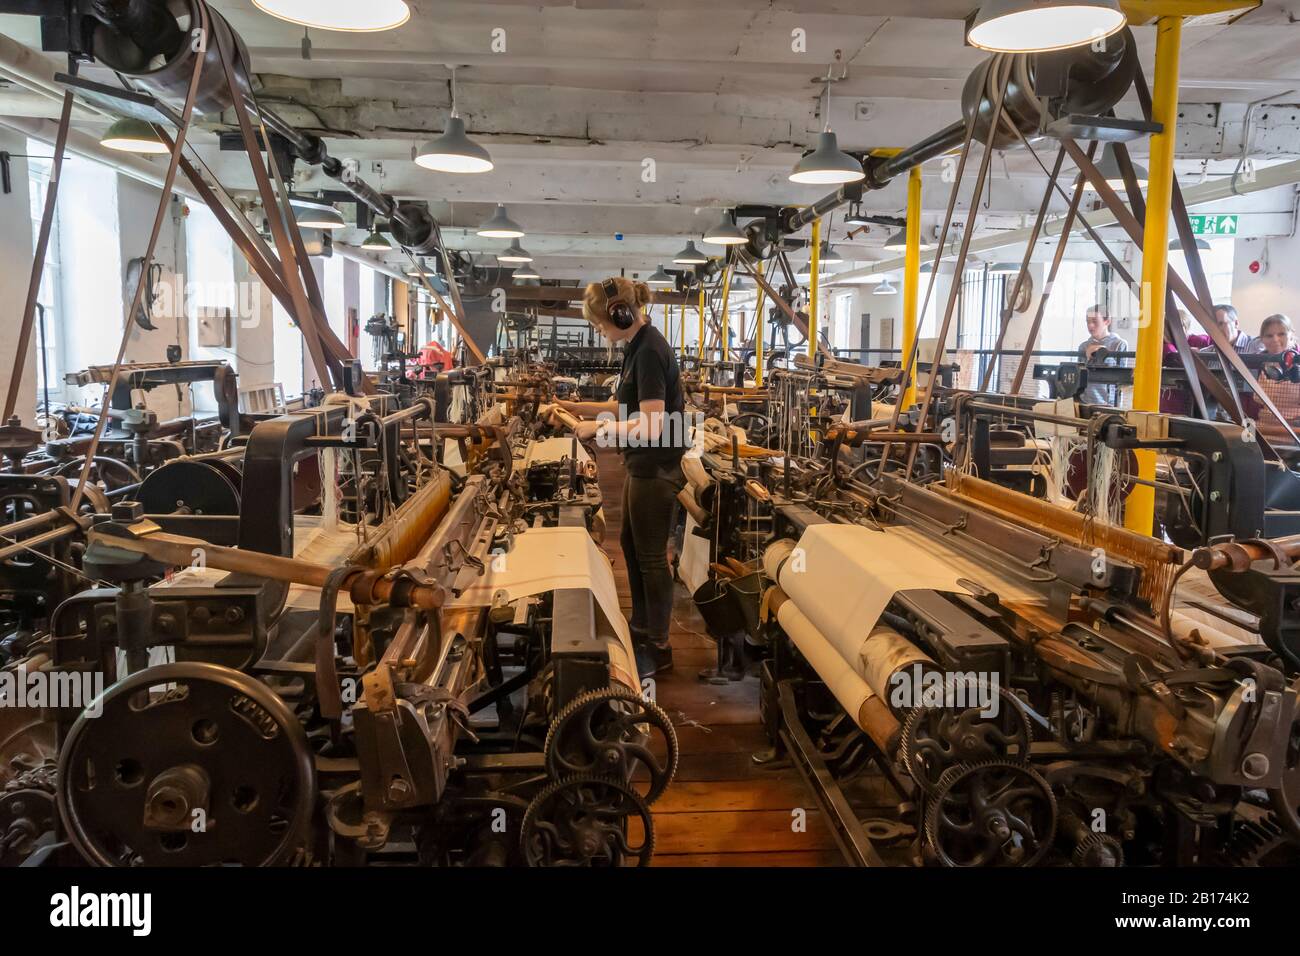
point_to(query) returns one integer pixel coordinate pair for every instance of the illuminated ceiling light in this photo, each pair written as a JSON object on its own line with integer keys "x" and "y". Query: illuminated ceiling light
{"x": 690, "y": 256}
{"x": 376, "y": 242}
{"x": 1005, "y": 268}
{"x": 829, "y": 255}
{"x": 885, "y": 288}
{"x": 856, "y": 216}
{"x": 1201, "y": 244}
{"x": 515, "y": 253}
{"x": 421, "y": 269}
{"x": 827, "y": 165}
{"x": 453, "y": 151}
{"x": 526, "y": 272}
{"x": 129, "y": 135}
{"x": 660, "y": 278}
{"x": 370, "y": 16}
{"x": 315, "y": 213}
{"x": 1032, "y": 26}
{"x": 726, "y": 232}
{"x": 1109, "y": 169}
{"x": 897, "y": 242}
{"x": 500, "y": 226}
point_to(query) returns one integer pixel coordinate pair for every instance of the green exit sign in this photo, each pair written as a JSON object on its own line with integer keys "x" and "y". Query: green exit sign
{"x": 1214, "y": 225}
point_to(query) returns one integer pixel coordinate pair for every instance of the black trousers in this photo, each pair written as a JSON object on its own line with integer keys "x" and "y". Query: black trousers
{"x": 649, "y": 510}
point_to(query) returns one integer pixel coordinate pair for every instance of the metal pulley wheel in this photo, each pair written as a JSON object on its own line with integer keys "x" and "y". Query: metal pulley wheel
{"x": 192, "y": 487}
{"x": 108, "y": 473}
{"x": 992, "y": 813}
{"x": 587, "y": 821}
{"x": 187, "y": 764}
{"x": 938, "y": 738}
{"x": 614, "y": 732}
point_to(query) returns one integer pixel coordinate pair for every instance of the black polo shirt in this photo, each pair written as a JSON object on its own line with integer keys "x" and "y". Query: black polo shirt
{"x": 650, "y": 373}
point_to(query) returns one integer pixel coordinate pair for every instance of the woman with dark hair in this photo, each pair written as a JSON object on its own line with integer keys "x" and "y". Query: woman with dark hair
{"x": 646, "y": 420}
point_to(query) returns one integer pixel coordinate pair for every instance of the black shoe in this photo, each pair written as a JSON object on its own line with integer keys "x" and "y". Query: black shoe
{"x": 652, "y": 659}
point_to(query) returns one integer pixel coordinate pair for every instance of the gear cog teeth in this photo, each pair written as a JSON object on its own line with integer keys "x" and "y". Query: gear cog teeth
{"x": 548, "y": 793}
{"x": 655, "y": 716}
{"x": 954, "y": 775}
{"x": 1093, "y": 842}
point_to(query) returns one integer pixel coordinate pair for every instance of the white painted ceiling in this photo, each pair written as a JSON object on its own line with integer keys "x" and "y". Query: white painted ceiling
{"x": 586, "y": 90}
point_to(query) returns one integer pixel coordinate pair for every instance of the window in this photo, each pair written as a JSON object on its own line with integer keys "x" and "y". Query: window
{"x": 288, "y": 347}
{"x": 1064, "y": 321}
{"x": 366, "y": 308}
{"x": 842, "y": 317}
{"x": 86, "y": 285}
{"x": 1217, "y": 261}
{"x": 49, "y": 329}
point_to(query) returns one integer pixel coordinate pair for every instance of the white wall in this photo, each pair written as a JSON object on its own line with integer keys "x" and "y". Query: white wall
{"x": 15, "y": 269}
{"x": 1276, "y": 289}
{"x": 137, "y": 205}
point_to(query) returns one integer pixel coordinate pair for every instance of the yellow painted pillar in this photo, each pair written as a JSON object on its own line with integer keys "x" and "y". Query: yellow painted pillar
{"x": 1139, "y": 514}
{"x": 912, "y": 277}
{"x": 726, "y": 318}
{"x": 758, "y": 332}
{"x": 701, "y": 320}
{"x": 814, "y": 266}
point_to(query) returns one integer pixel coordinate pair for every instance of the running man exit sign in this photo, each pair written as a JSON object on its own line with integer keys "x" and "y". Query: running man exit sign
{"x": 1214, "y": 225}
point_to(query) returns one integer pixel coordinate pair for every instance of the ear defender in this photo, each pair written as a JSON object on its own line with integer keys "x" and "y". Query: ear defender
{"x": 621, "y": 315}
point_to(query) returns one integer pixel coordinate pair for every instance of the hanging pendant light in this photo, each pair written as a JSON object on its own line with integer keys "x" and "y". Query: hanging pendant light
{"x": 829, "y": 255}
{"x": 827, "y": 165}
{"x": 1032, "y": 26}
{"x": 885, "y": 288}
{"x": 1109, "y": 169}
{"x": 515, "y": 253}
{"x": 500, "y": 226}
{"x": 526, "y": 272}
{"x": 660, "y": 278}
{"x": 352, "y": 16}
{"x": 726, "y": 232}
{"x": 421, "y": 269}
{"x": 129, "y": 135}
{"x": 315, "y": 213}
{"x": 453, "y": 151}
{"x": 856, "y": 217}
{"x": 690, "y": 256}
{"x": 897, "y": 242}
{"x": 376, "y": 242}
{"x": 1201, "y": 244}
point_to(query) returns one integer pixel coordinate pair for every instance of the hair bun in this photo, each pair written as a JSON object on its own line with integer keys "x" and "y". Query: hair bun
{"x": 643, "y": 293}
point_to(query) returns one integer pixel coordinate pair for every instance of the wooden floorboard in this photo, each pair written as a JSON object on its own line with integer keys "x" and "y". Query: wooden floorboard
{"x": 723, "y": 809}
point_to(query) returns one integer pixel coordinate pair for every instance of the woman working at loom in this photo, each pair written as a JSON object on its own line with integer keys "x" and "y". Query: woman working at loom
{"x": 1276, "y": 336}
{"x": 646, "y": 421}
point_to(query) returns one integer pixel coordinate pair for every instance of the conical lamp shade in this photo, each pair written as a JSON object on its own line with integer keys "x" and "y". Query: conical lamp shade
{"x": 500, "y": 226}
{"x": 1032, "y": 26}
{"x": 827, "y": 165}
{"x": 454, "y": 152}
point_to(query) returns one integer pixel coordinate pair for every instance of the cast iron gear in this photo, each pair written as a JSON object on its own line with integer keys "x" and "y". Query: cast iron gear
{"x": 991, "y": 813}
{"x": 608, "y": 732}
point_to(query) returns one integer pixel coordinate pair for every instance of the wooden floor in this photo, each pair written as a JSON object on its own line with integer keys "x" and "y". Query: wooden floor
{"x": 722, "y": 809}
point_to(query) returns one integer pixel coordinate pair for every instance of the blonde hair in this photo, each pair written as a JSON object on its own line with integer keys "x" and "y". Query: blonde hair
{"x": 595, "y": 306}
{"x": 1276, "y": 319}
